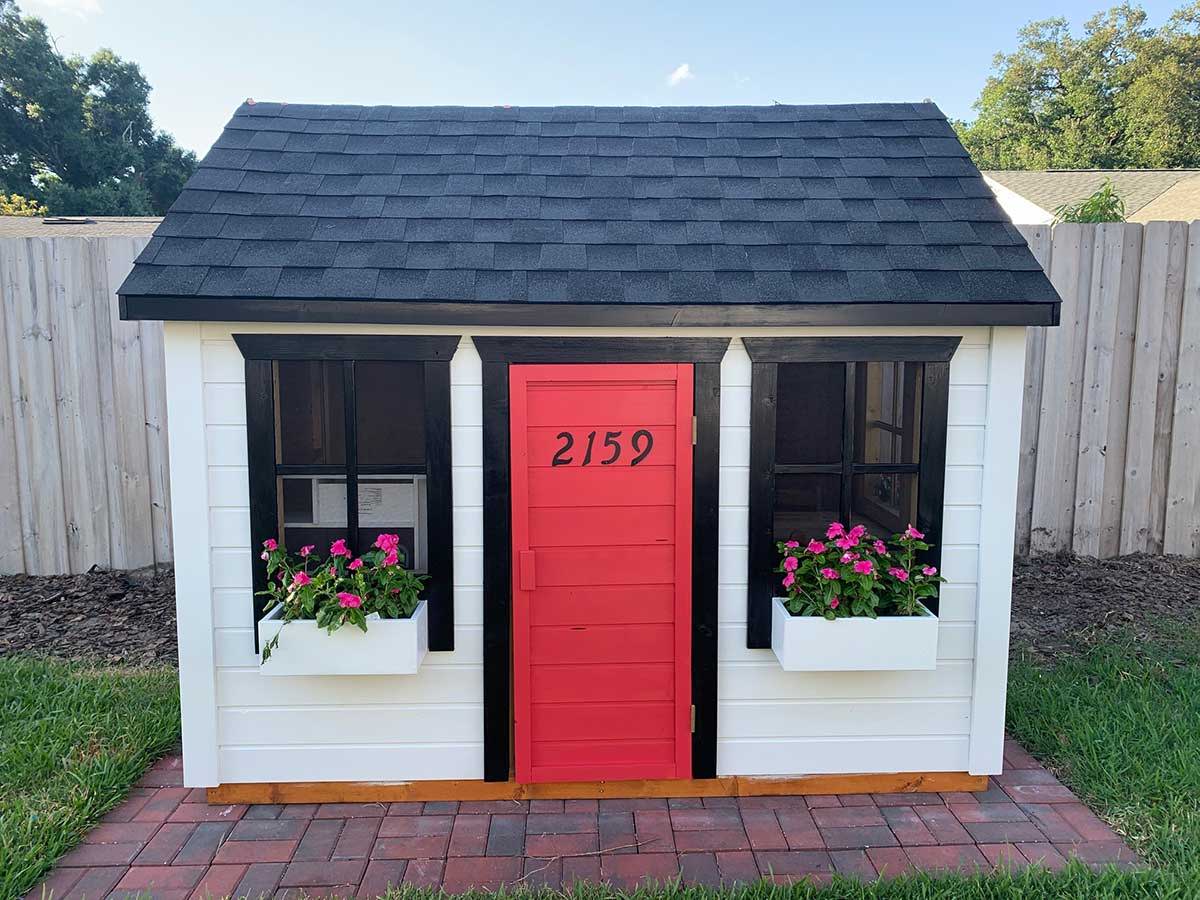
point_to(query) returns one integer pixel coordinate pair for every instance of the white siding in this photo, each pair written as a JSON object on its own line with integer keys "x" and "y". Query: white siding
{"x": 240, "y": 726}
{"x": 771, "y": 722}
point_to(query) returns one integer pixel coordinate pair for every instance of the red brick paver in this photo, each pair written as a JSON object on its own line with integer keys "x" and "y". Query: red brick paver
{"x": 165, "y": 842}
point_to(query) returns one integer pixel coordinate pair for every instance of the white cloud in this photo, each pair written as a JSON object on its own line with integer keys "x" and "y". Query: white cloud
{"x": 80, "y": 8}
{"x": 680, "y": 75}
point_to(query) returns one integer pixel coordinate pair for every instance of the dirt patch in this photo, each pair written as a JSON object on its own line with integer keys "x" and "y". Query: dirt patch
{"x": 120, "y": 618}
{"x": 1063, "y": 604}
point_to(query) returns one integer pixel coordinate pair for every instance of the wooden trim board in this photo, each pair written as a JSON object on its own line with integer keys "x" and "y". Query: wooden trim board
{"x": 728, "y": 786}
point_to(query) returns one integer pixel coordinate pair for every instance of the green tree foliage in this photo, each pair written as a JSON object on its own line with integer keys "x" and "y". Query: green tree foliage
{"x": 1121, "y": 95}
{"x": 75, "y": 133}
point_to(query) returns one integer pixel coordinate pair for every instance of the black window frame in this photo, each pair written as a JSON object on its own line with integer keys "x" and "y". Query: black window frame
{"x": 261, "y": 352}
{"x": 766, "y": 354}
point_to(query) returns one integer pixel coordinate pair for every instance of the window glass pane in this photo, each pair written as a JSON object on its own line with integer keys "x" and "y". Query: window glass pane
{"x": 314, "y": 511}
{"x": 808, "y": 420}
{"x": 888, "y": 412}
{"x": 312, "y": 423}
{"x": 395, "y": 505}
{"x": 886, "y": 503}
{"x": 805, "y": 505}
{"x": 390, "y": 406}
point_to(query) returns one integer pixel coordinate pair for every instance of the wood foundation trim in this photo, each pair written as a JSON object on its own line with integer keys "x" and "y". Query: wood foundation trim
{"x": 729, "y": 786}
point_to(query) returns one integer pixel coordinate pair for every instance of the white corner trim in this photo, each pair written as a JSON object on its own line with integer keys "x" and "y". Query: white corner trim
{"x": 193, "y": 577}
{"x": 1006, "y": 378}
{"x": 1019, "y": 210}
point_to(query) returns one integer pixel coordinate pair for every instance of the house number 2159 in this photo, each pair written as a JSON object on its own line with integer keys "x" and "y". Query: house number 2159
{"x": 640, "y": 443}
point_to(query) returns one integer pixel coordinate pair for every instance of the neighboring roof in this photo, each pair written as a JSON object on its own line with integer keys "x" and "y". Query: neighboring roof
{"x": 1138, "y": 188}
{"x": 77, "y": 226}
{"x": 1178, "y": 203}
{"x": 316, "y": 208}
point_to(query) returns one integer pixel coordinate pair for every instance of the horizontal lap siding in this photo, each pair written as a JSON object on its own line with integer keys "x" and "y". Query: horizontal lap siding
{"x": 772, "y": 722}
{"x": 429, "y": 725}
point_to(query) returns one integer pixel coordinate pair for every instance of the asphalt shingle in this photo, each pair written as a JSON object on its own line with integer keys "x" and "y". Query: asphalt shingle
{"x": 746, "y": 205}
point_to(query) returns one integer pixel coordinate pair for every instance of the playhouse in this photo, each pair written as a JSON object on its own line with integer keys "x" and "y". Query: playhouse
{"x": 583, "y": 368}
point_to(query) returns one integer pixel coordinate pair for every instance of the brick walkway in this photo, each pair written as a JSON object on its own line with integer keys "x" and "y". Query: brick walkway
{"x": 166, "y": 842}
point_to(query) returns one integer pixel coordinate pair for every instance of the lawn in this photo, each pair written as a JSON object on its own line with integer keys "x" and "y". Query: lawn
{"x": 73, "y": 738}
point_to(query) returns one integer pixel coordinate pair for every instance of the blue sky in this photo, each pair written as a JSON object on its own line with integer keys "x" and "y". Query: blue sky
{"x": 203, "y": 58}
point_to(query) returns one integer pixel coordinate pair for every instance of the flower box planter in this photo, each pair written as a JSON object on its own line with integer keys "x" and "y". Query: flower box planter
{"x": 387, "y": 647}
{"x": 815, "y": 644}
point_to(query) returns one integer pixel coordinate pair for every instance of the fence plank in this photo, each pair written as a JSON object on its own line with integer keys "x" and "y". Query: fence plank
{"x": 12, "y": 549}
{"x": 1162, "y": 252}
{"x": 1039, "y": 239}
{"x": 1182, "y": 533}
{"x": 1058, "y": 432}
{"x": 1101, "y": 416}
{"x": 31, "y": 371}
{"x": 80, "y": 428}
{"x": 154, "y": 384}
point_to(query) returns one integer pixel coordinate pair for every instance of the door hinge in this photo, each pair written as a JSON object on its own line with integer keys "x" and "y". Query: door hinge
{"x": 695, "y": 428}
{"x": 693, "y": 718}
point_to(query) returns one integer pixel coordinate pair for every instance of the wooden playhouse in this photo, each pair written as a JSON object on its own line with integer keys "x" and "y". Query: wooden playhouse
{"x": 586, "y": 366}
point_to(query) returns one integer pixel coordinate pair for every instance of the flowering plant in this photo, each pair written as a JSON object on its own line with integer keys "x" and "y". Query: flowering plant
{"x": 341, "y": 589}
{"x": 853, "y": 573}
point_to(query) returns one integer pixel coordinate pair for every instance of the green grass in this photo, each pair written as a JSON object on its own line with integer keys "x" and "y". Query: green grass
{"x": 72, "y": 741}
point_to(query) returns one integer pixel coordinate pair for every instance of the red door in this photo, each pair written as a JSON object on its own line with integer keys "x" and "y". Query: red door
{"x": 602, "y": 557}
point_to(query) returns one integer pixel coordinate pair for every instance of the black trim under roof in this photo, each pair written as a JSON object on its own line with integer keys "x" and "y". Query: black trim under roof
{"x": 433, "y": 212}
{"x": 192, "y": 309}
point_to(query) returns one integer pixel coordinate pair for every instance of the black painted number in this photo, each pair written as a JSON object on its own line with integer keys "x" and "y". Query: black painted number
{"x": 641, "y": 443}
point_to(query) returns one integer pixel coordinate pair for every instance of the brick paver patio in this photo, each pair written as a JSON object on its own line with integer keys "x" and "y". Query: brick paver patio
{"x": 165, "y": 841}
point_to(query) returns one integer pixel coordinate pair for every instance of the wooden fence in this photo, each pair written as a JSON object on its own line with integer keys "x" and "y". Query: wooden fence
{"x": 83, "y": 444}
{"x": 1109, "y": 436}
{"x": 1111, "y": 424}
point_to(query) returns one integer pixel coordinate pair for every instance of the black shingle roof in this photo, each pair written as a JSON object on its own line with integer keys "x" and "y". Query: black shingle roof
{"x": 630, "y": 205}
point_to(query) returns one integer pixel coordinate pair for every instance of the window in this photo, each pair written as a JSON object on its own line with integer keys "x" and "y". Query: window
{"x": 349, "y": 437}
{"x": 847, "y": 429}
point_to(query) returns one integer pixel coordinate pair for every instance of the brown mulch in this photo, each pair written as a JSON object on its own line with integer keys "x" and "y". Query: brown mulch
{"x": 119, "y": 618}
{"x": 1061, "y": 604}
{"x": 1064, "y": 604}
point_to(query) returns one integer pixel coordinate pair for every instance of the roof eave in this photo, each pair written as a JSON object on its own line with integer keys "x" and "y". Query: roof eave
{"x": 476, "y": 313}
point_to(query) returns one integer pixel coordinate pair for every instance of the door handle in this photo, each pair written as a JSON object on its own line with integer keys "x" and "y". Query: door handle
{"x": 525, "y": 559}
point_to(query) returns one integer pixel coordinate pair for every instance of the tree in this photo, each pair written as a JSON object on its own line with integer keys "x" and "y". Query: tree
{"x": 1122, "y": 95}
{"x": 75, "y": 133}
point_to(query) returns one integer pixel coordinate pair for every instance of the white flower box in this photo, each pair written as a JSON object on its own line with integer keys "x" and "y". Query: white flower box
{"x": 815, "y": 644}
{"x": 387, "y": 647}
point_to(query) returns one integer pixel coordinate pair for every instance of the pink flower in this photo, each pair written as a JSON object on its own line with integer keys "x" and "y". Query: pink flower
{"x": 307, "y": 549}
{"x": 339, "y": 548}
{"x": 264, "y": 555}
{"x": 386, "y": 542}
{"x": 333, "y": 571}
{"x": 271, "y": 544}
{"x": 829, "y": 573}
{"x": 792, "y": 545}
{"x": 835, "y": 529}
{"x": 845, "y": 543}
{"x": 833, "y": 604}
{"x": 357, "y": 564}
{"x": 898, "y": 573}
{"x": 815, "y": 546}
{"x": 849, "y": 557}
{"x": 791, "y": 564}
{"x": 912, "y": 533}
{"x": 880, "y": 548}
{"x": 300, "y": 579}
{"x": 929, "y": 570}
{"x": 864, "y": 567}
{"x": 789, "y": 579}
{"x": 392, "y": 558}
{"x": 858, "y": 531}
{"x": 349, "y": 601}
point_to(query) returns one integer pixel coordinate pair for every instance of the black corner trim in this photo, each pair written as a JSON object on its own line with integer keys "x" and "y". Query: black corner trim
{"x": 497, "y": 578}
{"x": 523, "y": 313}
{"x": 333, "y": 347}
{"x": 852, "y": 349}
{"x": 600, "y": 350}
{"x": 705, "y": 517}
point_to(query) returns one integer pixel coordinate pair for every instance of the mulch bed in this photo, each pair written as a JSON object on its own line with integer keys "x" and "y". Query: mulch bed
{"x": 1061, "y": 604}
{"x": 119, "y": 618}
